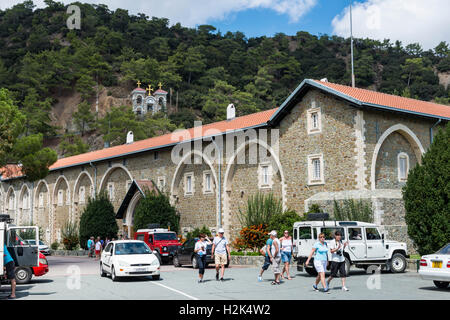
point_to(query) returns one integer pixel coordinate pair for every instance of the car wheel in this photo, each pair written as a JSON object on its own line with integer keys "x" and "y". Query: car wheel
{"x": 159, "y": 257}
{"x": 102, "y": 272}
{"x": 156, "y": 277}
{"x": 23, "y": 275}
{"x": 113, "y": 274}
{"x": 398, "y": 263}
{"x": 194, "y": 262}
{"x": 311, "y": 271}
{"x": 176, "y": 262}
{"x": 441, "y": 284}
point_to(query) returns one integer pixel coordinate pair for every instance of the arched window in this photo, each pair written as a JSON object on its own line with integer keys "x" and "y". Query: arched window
{"x": 139, "y": 100}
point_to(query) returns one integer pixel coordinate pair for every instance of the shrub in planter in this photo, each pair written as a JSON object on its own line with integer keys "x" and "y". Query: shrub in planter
{"x": 284, "y": 221}
{"x": 197, "y": 231}
{"x": 252, "y": 237}
{"x": 70, "y": 236}
{"x": 54, "y": 245}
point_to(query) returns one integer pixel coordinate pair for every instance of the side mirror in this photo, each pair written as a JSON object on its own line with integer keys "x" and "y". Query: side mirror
{"x": 382, "y": 236}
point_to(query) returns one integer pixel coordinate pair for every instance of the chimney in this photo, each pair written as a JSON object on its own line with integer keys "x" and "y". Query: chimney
{"x": 324, "y": 80}
{"x": 130, "y": 137}
{"x": 231, "y": 112}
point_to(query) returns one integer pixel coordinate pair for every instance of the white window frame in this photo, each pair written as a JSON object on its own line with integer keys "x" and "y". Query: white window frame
{"x": 41, "y": 200}
{"x": 25, "y": 203}
{"x": 12, "y": 202}
{"x": 312, "y": 179}
{"x": 82, "y": 191}
{"x": 162, "y": 183}
{"x": 186, "y": 191}
{"x": 67, "y": 197}
{"x": 60, "y": 197}
{"x": 310, "y": 124}
{"x": 262, "y": 183}
{"x": 207, "y": 190}
{"x": 403, "y": 155}
{"x": 111, "y": 191}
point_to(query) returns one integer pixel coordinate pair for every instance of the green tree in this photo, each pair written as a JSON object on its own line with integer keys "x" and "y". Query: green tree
{"x": 98, "y": 219}
{"x": 284, "y": 221}
{"x": 72, "y": 145}
{"x": 156, "y": 208}
{"x": 426, "y": 196}
{"x": 37, "y": 114}
{"x": 84, "y": 119}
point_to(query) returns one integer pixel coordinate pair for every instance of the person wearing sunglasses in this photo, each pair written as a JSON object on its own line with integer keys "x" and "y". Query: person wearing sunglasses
{"x": 286, "y": 253}
{"x": 320, "y": 252}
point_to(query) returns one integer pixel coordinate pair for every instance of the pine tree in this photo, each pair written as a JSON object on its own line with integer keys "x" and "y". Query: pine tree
{"x": 84, "y": 118}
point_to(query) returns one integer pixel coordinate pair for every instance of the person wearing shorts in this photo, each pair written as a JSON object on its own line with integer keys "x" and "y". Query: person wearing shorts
{"x": 10, "y": 267}
{"x": 267, "y": 258}
{"x": 98, "y": 248}
{"x": 337, "y": 259}
{"x": 286, "y": 253}
{"x": 320, "y": 251}
{"x": 220, "y": 251}
{"x": 276, "y": 257}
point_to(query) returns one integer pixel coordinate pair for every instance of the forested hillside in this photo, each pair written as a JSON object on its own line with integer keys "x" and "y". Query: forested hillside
{"x": 43, "y": 64}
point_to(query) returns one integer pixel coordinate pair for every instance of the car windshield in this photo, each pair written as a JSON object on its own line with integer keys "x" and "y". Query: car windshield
{"x": 32, "y": 242}
{"x": 165, "y": 236}
{"x": 41, "y": 243}
{"x": 445, "y": 249}
{"x": 132, "y": 248}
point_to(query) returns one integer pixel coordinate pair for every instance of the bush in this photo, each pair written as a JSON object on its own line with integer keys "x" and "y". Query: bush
{"x": 54, "y": 245}
{"x": 156, "y": 208}
{"x": 98, "y": 219}
{"x": 426, "y": 195}
{"x": 260, "y": 208}
{"x": 253, "y": 238}
{"x": 197, "y": 231}
{"x": 352, "y": 210}
{"x": 70, "y": 235}
{"x": 284, "y": 221}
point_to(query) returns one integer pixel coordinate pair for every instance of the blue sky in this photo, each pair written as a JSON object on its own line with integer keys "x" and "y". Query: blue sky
{"x": 423, "y": 21}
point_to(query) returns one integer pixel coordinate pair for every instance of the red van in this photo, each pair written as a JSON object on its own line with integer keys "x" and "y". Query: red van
{"x": 163, "y": 241}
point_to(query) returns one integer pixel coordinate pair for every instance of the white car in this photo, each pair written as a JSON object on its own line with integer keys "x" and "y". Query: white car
{"x": 42, "y": 246}
{"x": 436, "y": 267}
{"x": 129, "y": 258}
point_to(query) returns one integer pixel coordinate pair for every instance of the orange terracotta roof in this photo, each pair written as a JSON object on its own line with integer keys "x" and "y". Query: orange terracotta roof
{"x": 10, "y": 171}
{"x": 391, "y": 101}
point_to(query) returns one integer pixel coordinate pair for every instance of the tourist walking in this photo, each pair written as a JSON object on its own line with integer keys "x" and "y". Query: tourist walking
{"x": 267, "y": 257}
{"x": 286, "y": 253}
{"x": 337, "y": 259}
{"x": 320, "y": 251}
{"x": 200, "y": 251}
{"x": 90, "y": 247}
{"x": 275, "y": 257}
{"x": 9, "y": 265}
{"x": 220, "y": 252}
{"x": 98, "y": 249}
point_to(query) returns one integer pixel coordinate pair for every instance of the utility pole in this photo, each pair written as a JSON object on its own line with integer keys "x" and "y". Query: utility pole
{"x": 351, "y": 45}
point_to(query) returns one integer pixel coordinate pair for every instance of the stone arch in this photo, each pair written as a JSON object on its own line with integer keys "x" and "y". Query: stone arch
{"x": 55, "y": 189}
{"x": 22, "y": 211}
{"x": 130, "y": 212}
{"x": 10, "y": 202}
{"x": 76, "y": 205}
{"x": 37, "y": 192}
{"x": 178, "y": 174}
{"x": 42, "y": 214}
{"x": 110, "y": 171}
{"x": 230, "y": 170}
{"x": 408, "y": 134}
{"x": 77, "y": 184}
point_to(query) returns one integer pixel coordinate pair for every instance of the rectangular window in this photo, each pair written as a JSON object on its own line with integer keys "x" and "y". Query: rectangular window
{"x": 265, "y": 174}
{"x": 403, "y": 166}
{"x": 189, "y": 183}
{"x": 329, "y": 233}
{"x": 60, "y": 197}
{"x": 355, "y": 233}
{"x": 207, "y": 182}
{"x": 41, "y": 200}
{"x": 313, "y": 121}
{"x": 372, "y": 234}
{"x": 315, "y": 169}
{"x": 304, "y": 233}
{"x": 265, "y": 179}
{"x": 161, "y": 183}
{"x": 111, "y": 191}
{"x": 82, "y": 195}
{"x": 156, "y": 155}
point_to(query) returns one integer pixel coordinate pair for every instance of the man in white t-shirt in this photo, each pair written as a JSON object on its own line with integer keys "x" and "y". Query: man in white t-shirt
{"x": 337, "y": 259}
{"x": 220, "y": 251}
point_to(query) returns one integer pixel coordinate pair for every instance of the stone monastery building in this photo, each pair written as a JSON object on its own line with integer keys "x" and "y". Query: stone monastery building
{"x": 325, "y": 142}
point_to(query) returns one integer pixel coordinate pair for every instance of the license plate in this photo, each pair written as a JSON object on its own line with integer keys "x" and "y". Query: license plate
{"x": 437, "y": 264}
{"x": 140, "y": 269}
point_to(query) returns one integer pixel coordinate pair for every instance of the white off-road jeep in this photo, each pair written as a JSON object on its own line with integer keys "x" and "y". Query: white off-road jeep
{"x": 367, "y": 246}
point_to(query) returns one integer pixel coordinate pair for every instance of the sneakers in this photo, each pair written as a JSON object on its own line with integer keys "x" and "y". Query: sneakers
{"x": 344, "y": 289}
{"x": 259, "y": 278}
{"x": 200, "y": 281}
{"x": 221, "y": 279}
{"x": 326, "y": 290}
{"x": 315, "y": 287}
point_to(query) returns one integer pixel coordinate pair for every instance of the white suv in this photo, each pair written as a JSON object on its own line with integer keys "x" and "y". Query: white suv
{"x": 367, "y": 246}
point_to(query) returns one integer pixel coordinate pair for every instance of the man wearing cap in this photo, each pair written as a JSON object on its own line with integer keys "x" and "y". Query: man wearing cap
{"x": 220, "y": 251}
{"x": 275, "y": 256}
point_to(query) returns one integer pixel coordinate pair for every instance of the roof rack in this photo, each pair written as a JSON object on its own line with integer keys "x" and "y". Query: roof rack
{"x": 5, "y": 218}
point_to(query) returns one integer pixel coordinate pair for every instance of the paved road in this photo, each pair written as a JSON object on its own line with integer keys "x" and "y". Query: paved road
{"x": 240, "y": 283}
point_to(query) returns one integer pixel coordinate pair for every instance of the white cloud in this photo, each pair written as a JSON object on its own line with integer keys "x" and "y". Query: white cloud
{"x": 194, "y": 12}
{"x": 423, "y": 21}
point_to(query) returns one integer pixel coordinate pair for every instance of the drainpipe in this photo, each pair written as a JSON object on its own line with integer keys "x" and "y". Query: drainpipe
{"x": 431, "y": 130}
{"x": 95, "y": 179}
{"x": 32, "y": 202}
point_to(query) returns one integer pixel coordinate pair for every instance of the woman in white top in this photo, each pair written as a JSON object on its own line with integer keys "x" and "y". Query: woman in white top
{"x": 200, "y": 250}
{"x": 286, "y": 253}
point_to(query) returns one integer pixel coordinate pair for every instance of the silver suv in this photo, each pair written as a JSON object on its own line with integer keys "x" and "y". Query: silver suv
{"x": 367, "y": 246}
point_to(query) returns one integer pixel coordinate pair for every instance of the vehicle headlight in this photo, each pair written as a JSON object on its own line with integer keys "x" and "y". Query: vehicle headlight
{"x": 155, "y": 262}
{"x": 123, "y": 263}
{"x": 164, "y": 248}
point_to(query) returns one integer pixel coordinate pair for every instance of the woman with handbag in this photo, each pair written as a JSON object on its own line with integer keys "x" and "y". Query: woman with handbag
{"x": 337, "y": 259}
{"x": 200, "y": 251}
{"x": 320, "y": 251}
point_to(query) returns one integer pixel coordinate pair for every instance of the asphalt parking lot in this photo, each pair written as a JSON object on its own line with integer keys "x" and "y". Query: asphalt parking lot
{"x": 77, "y": 278}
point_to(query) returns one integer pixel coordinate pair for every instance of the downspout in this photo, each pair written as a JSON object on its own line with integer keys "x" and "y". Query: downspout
{"x": 32, "y": 202}
{"x": 431, "y": 130}
{"x": 95, "y": 179}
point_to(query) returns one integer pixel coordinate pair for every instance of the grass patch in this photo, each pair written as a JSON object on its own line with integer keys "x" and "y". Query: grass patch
{"x": 241, "y": 253}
